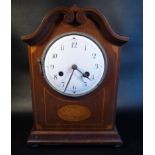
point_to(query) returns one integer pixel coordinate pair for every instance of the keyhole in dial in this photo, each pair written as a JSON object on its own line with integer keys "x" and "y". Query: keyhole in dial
{"x": 61, "y": 73}
{"x": 87, "y": 74}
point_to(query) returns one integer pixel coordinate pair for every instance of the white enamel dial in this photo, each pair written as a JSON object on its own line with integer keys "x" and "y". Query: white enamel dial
{"x": 74, "y": 64}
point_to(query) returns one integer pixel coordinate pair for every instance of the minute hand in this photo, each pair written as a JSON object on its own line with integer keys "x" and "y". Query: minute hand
{"x": 69, "y": 79}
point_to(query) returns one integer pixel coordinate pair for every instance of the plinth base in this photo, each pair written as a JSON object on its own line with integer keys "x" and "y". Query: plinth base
{"x": 74, "y": 137}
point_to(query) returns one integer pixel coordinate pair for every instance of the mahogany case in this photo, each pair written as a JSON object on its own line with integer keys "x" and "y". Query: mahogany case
{"x": 99, "y": 125}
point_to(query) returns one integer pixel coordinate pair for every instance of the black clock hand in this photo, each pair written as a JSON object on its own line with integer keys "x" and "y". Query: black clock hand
{"x": 83, "y": 74}
{"x": 73, "y": 67}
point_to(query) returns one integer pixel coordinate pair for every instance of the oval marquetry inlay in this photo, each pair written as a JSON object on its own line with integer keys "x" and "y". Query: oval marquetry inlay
{"x": 74, "y": 113}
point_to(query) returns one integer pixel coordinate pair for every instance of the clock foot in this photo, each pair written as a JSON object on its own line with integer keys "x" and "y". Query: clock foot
{"x": 34, "y": 146}
{"x": 117, "y": 145}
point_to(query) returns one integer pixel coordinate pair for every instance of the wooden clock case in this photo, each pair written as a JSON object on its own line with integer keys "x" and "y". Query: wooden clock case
{"x": 48, "y": 127}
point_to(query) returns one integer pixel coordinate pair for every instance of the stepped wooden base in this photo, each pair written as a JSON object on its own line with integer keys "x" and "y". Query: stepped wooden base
{"x": 74, "y": 137}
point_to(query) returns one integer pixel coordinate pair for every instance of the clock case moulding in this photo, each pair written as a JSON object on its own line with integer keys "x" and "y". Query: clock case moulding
{"x": 100, "y": 128}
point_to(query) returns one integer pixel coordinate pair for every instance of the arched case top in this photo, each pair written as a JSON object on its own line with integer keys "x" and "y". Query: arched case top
{"x": 74, "y": 16}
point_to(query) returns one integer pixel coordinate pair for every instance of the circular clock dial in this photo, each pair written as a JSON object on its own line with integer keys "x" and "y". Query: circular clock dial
{"x": 74, "y": 64}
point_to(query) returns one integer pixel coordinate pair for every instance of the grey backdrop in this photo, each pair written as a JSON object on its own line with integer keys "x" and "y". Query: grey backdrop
{"x": 125, "y": 17}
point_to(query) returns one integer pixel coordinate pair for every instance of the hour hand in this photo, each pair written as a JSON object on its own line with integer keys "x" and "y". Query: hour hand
{"x": 86, "y": 74}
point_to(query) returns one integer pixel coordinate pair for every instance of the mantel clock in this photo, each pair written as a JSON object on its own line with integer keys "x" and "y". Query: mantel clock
{"x": 74, "y": 67}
